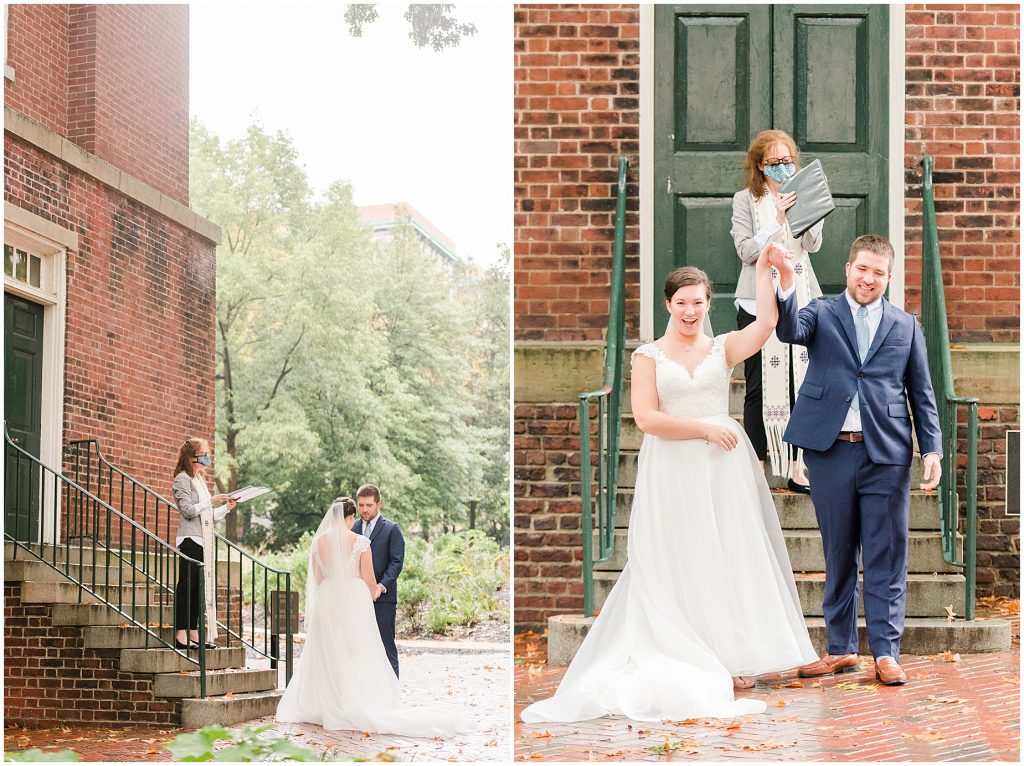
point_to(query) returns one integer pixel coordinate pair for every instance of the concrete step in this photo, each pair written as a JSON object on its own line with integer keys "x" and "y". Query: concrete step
{"x": 232, "y": 680}
{"x": 930, "y": 635}
{"x": 67, "y": 592}
{"x": 628, "y": 465}
{"x": 25, "y": 569}
{"x": 100, "y": 614}
{"x": 124, "y": 636}
{"x": 226, "y": 711}
{"x": 806, "y": 555}
{"x": 169, "y": 661}
{"x": 797, "y": 512}
{"x": 927, "y": 594}
{"x": 922, "y": 636}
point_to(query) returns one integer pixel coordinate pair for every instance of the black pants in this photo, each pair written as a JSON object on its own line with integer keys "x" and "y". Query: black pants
{"x": 385, "y": 614}
{"x": 189, "y": 593}
{"x": 753, "y": 401}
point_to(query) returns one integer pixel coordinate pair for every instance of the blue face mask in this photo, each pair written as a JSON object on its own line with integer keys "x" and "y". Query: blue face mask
{"x": 203, "y": 460}
{"x": 781, "y": 172}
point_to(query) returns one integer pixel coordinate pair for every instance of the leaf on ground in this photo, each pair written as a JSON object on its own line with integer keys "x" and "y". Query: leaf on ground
{"x": 793, "y": 685}
{"x": 949, "y": 656}
{"x": 541, "y": 734}
{"x": 684, "y": 746}
{"x": 488, "y": 743}
{"x": 929, "y": 736}
{"x": 945, "y": 700}
{"x": 1010, "y": 680}
{"x": 852, "y": 686}
{"x": 950, "y": 615}
{"x": 534, "y": 757}
{"x": 761, "y": 746}
{"x": 686, "y": 722}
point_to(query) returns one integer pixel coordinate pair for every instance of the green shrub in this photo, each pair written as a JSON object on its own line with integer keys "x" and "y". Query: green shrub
{"x": 37, "y": 755}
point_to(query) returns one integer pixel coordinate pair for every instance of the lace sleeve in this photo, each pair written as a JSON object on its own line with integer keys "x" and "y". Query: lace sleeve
{"x": 648, "y": 349}
{"x": 360, "y": 545}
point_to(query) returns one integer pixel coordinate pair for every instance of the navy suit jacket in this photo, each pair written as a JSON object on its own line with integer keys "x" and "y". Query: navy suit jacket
{"x": 387, "y": 547}
{"x": 894, "y": 375}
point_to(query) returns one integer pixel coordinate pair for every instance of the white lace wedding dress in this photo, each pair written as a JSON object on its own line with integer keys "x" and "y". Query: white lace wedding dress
{"x": 708, "y": 591}
{"x": 343, "y": 679}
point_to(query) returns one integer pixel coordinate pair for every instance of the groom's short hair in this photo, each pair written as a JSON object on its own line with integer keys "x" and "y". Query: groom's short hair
{"x": 873, "y": 243}
{"x": 369, "y": 490}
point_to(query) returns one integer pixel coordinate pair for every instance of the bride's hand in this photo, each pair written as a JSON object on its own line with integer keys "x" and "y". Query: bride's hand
{"x": 721, "y": 436}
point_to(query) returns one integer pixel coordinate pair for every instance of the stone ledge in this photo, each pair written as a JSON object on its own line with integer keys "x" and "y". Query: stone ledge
{"x": 555, "y": 371}
{"x": 17, "y": 124}
{"x": 989, "y": 371}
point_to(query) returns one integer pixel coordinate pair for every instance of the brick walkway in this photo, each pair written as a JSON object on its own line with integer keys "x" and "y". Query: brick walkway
{"x": 473, "y": 684}
{"x": 949, "y": 711}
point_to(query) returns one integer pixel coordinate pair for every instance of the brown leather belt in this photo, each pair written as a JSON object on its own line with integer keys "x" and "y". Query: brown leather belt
{"x": 853, "y": 437}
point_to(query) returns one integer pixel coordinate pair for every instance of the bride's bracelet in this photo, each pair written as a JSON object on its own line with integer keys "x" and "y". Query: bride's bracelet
{"x": 707, "y": 435}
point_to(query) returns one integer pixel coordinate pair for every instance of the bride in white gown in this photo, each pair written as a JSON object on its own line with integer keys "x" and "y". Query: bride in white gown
{"x": 343, "y": 679}
{"x": 707, "y": 596}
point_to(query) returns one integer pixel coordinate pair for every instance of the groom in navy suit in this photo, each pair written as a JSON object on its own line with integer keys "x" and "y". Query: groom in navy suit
{"x": 387, "y": 548}
{"x": 867, "y": 363}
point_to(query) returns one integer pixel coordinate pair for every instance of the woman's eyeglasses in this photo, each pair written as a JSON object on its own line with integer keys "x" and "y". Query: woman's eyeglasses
{"x": 780, "y": 161}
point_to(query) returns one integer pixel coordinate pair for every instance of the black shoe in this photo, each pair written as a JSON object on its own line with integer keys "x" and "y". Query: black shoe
{"x": 793, "y": 486}
{"x": 185, "y": 647}
{"x": 211, "y": 645}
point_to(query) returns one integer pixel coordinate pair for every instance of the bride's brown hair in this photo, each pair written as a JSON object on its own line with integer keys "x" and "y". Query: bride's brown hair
{"x": 685, "y": 276}
{"x": 346, "y": 505}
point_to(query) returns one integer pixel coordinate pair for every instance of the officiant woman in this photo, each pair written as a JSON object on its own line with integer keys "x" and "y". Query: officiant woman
{"x": 759, "y": 216}
{"x": 194, "y": 592}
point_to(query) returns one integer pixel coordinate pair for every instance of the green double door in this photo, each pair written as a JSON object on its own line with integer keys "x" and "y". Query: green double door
{"x": 23, "y": 386}
{"x": 722, "y": 74}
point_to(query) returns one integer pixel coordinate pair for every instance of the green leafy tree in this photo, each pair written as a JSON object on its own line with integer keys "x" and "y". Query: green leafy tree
{"x": 429, "y": 24}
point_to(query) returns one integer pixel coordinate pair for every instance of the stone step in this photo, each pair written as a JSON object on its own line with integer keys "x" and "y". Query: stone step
{"x": 797, "y": 512}
{"x": 806, "y": 555}
{"x": 927, "y": 594}
{"x": 230, "y": 681}
{"x": 227, "y": 711}
{"x": 169, "y": 661}
{"x": 124, "y": 636}
{"x": 921, "y": 636}
{"x": 25, "y": 569}
{"x": 100, "y": 614}
{"x": 628, "y": 465}
{"x": 67, "y": 592}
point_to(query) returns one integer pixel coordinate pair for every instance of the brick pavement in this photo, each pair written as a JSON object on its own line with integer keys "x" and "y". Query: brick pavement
{"x": 474, "y": 684}
{"x": 950, "y": 710}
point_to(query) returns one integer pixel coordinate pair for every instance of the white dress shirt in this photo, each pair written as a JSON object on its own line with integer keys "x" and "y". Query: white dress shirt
{"x": 874, "y": 318}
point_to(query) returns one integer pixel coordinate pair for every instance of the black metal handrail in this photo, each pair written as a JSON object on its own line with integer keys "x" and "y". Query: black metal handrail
{"x": 89, "y": 463}
{"x": 609, "y": 415}
{"x": 93, "y": 545}
{"x": 940, "y": 366}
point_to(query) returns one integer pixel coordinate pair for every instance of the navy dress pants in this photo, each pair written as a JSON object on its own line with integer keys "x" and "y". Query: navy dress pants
{"x": 863, "y": 511}
{"x": 385, "y": 614}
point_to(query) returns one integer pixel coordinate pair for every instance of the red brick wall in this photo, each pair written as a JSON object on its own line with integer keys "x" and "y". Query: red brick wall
{"x": 998, "y": 562}
{"x": 963, "y": 108}
{"x": 50, "y": 678}
{"x": 37, "y": 50}
{"x": 140, "y": 345}
{"x": 111, "y": 78}
{"x": 577, "y": 72}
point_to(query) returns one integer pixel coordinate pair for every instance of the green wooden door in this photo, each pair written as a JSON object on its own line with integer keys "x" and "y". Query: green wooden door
{"x": 23, "y": 389}
{"x": 724, "y": 73}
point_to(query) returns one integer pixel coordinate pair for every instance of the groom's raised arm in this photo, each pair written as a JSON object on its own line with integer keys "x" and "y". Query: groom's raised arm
{"x": 396, "y": 559}
{"x": 793, "y": 326}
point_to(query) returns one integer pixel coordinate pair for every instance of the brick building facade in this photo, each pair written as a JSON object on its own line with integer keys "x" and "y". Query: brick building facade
{"x": 577, "y": 108}
{"x": 96, "y": 192}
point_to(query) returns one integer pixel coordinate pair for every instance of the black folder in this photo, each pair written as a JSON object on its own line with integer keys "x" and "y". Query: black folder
{"x": 813, "y": 198}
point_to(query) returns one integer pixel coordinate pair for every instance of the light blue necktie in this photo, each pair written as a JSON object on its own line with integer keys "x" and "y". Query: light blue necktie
{"x": 860, "y": 324}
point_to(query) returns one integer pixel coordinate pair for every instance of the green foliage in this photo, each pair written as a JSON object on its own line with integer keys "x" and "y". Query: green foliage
{"x": 294, "y": 559}
{"x": 429, "y": 24}
{"x": 37, "y": 755}
{"x": 253, "y": 743}
{"x": 342, "y": 360}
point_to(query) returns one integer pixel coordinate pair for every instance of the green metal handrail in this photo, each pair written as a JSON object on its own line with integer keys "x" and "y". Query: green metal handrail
{"x": 940, "y": 366}
{"x": 98, "y": 531}
{"x": 609, "y": 415}
{"x": 92, "y": 469}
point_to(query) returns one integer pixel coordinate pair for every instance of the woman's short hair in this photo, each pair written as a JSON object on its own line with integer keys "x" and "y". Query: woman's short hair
{"x": 755, "y": 155}
{"x": 685, "y": 276}
{"x": 187, "y": 455}
{"x": 346, "y": 506}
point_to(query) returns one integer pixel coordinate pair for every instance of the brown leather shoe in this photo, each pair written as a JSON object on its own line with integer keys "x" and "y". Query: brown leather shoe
{"x": 888, "y": 671}
{"x": 829, "y": 664}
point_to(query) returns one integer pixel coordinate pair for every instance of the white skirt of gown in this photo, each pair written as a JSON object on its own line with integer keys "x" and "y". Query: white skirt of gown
{"x": 707, "y": 594}
{"x": 343, "y": 680}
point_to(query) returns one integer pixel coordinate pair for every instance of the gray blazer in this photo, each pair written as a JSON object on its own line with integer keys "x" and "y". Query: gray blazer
{"x": 186, "y": 497}
{"x": 743, "y": 231}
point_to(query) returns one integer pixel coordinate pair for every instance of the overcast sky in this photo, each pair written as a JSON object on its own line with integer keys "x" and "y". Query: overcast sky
{"x": 401, "y": 123}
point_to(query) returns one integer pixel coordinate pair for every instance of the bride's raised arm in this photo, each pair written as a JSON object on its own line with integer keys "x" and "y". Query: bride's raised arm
{"x": 741, "y": 344}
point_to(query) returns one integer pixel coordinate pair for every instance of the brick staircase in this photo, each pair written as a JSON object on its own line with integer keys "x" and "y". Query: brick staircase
{"x": 932, "y": 586}
{"x": 61, "y": 642}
